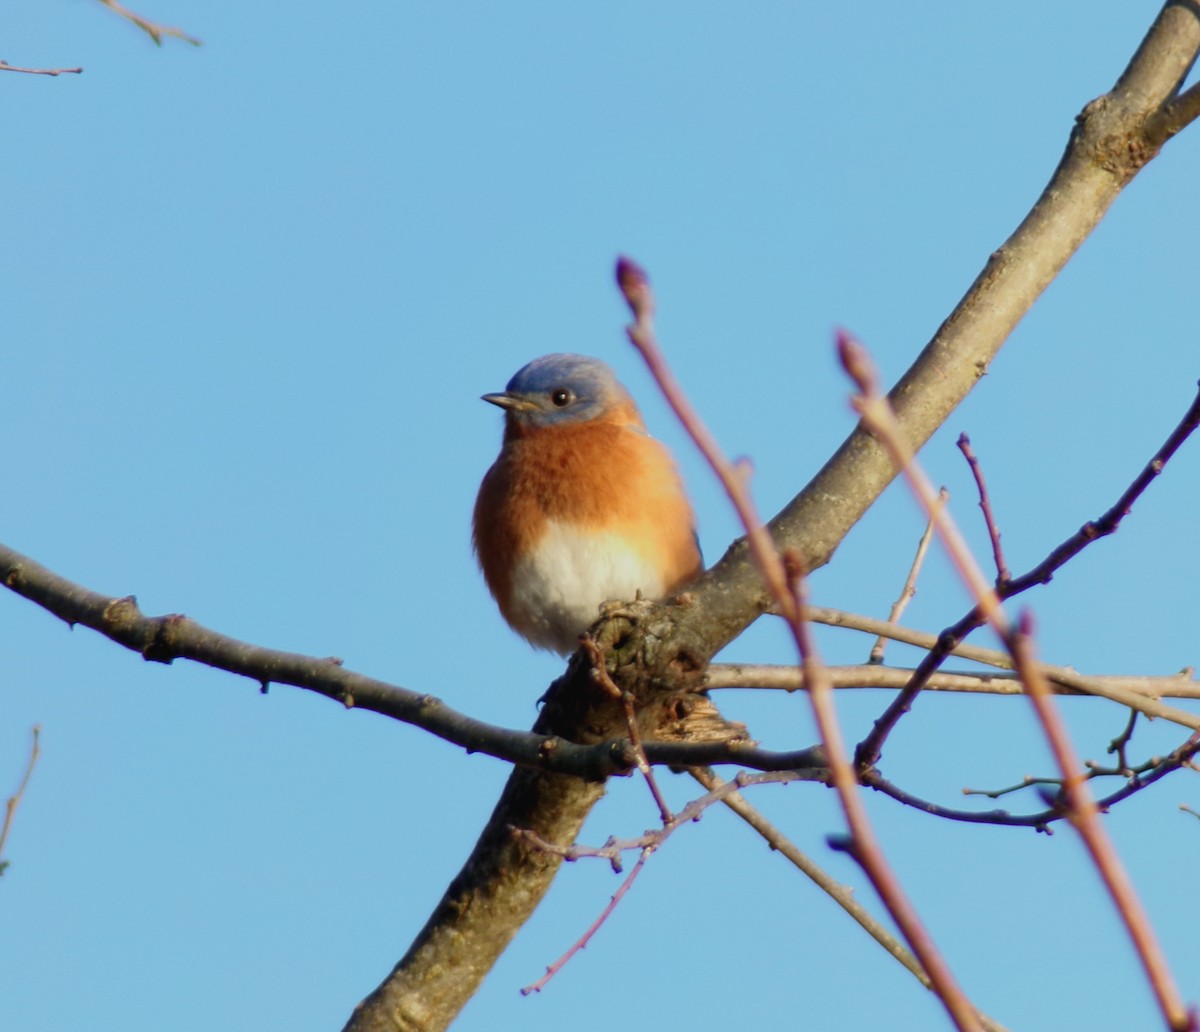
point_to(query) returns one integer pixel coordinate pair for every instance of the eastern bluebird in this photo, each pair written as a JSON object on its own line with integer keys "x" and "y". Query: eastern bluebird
{"x": 582, "y": 506}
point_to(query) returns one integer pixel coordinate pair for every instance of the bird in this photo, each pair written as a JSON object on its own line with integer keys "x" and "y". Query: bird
{"x": 582, "y": 506}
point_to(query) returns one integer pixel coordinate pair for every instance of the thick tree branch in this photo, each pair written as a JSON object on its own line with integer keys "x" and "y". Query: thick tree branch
{"x": 163, "y": 639}
{"x": 1112, "y": 140}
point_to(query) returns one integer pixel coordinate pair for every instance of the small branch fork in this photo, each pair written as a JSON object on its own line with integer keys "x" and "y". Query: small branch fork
{"x": 910, "y": 584}
{"x": 154, "y": 30}
{"x": 1080, "y": 809}
{"x": 871, "y": 747}
{"x": 646, "y": 844}
{"x": 1143, "y": 777}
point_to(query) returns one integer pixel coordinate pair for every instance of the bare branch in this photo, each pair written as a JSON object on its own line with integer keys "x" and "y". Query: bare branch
{"x": 868, "y": 675}
{"x": 1107, "y": 148}
{"x": 14, "y": 800}
{"x": 782, "y": 574}
{"x": 154, "y": 30}
{"x": 1175, "y": 115}
{"x": 870, "y": 748}
{"x": 910, "y": 584}
{"x": 1179, "y": 759}
{"x": 163, "y": 639}
{"x": 6, "y": 67}
{"x": 1081, "y": 810}
{"x": 600, "y": 675}
{"x": 1084, "y": 815}
{"x": 1002, "y": 573}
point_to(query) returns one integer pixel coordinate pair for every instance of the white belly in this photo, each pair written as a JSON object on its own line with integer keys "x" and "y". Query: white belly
{"x": 561, "y": 583}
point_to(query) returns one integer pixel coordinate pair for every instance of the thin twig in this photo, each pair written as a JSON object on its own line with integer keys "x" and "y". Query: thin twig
{"x": 861, "y": 843}
{"x": 583, "y": 940}
{"x": 6, "y": 67}
{"x": 783, "y": 582}
{"x": 646, "y": 845}
{"x": 1081, "y": 810}
{"x": 776, "y": 676}
{"x": 841, "y": 894}
{"x": 1041, "y": 821}
{"x": 600, "y": 676}
{"x": 152, "y": 29}
{"x": 1118, "y": 745}
{"x": 869, "y": 748}
{"x": 635, "y": 288}
{"x": 910, "y": 584}
{"x": 1084, "y": 816}
{"x": 10, "y": 807}
{"x": 1003, "y": 576}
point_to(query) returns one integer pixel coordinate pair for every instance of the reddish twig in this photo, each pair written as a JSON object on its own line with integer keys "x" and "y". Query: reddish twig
{"x": 600, "y": 676}
{"x": 6, "y": 67}
{"x": 635, "y": 288}
{"x": 783, "y": 581}
{"x": 910, "y": 584}
{"x": 1081, "y": 810}
{"x": 861, "y": 843}
{"x": 583, "y": 940}
{"x": 1084, "y": 816}
{"x": 646, "y": 844}
{"x": 10, "y": 807}
{"x": 841, "y": 894}
{"x": 1003, "y": 576}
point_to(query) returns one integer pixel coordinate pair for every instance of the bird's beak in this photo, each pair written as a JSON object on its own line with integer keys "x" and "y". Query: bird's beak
{"x": 509, "y": 402}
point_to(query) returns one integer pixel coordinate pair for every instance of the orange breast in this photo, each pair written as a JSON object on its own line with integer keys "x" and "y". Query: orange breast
{"x": 603, "y": 478}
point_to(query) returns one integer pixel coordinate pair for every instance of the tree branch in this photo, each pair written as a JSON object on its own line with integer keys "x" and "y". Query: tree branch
{"x": 154, "y": 30}
{"x": 868, "y": 675}
{"x": 1108, "y": 146}
{"x": 163, "y": 639}
{"x": 6, "y": 67}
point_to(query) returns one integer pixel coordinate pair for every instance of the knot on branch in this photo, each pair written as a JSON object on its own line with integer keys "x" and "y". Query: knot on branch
{"x": 1115, "y": 138}
{"x": 637, "y": 654}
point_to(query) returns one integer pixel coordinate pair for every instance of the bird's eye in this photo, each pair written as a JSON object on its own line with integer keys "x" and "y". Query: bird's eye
{"x": 561, "y": 397}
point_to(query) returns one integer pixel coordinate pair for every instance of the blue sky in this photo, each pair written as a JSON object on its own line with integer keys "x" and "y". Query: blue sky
{"x": 251, "y": 295}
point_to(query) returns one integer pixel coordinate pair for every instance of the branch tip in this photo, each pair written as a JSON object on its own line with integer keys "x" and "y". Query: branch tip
{"x": 855, "y": 361}
{"x": 634, "y": 285}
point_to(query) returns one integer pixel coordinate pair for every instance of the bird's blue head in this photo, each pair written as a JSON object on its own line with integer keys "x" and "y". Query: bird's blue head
{"x": 556, "y": 390}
